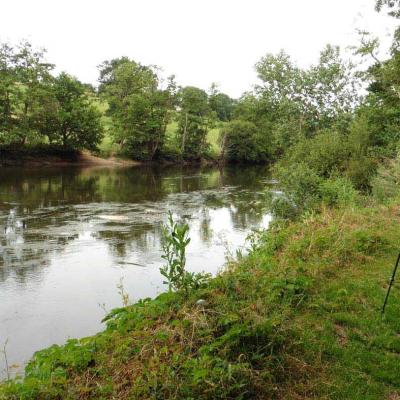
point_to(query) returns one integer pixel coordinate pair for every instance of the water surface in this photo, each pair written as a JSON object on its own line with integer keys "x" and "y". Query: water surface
{"x": 69, "y": 236}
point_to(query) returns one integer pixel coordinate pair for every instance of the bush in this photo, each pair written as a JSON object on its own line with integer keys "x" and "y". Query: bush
{"x": 324, "y": 154}
{"x": 242, "y": 142}
{"x": 386, "y": 183}
{"x": 300, "y": 184}
{"x": 305, "y": 190}
{"x": 360, "y": 171}
{"x": 282, "y": 207}
{"x": 337, "y": 192}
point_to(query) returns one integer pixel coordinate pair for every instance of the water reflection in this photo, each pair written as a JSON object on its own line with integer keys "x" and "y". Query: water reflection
{"x": 67, "y": 236}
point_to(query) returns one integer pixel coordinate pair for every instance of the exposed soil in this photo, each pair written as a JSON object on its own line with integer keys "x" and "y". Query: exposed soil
{"x": 83, "y": 158}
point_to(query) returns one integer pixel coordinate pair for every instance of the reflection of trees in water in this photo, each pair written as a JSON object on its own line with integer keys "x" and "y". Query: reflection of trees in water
{"x": 56, "y": 203}
{"x": 139, "y": 239}
{"x": 16, "y": 259}
{"x": 246, "y": 207}
{"x": 206, "y": 232}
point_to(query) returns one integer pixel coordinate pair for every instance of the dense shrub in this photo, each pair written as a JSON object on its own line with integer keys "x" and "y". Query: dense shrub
{"x": 337, "y": 191}
{"x": 324, "y": 153}
{"x": 305, "y": 190}
{"x": 386, "y": 183}
{"x": 243, "y": 142}
{"x": 300, "y": 184}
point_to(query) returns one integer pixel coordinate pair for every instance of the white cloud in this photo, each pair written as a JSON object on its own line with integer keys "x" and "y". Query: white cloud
{"x": 199, "y": 41}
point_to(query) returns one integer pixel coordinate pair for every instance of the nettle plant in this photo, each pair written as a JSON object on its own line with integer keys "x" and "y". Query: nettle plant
{"x": 175, "y": 240}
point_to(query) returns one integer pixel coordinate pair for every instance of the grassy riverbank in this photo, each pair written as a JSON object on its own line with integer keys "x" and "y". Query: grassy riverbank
{"x": 298, "y": 318}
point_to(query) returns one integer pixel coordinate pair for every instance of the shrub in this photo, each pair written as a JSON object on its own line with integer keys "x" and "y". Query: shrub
{"x": 360, "y": 171}
{"x": 242, "y": 142}
{"x": 337, "y": 191}
{"x": 175, "y": 242}
{"x": 300, "y": 184}
{"x": 305, "y": 190}
{"x": 282, "y": 207}
{"x": 325, "y": 153}
{"x": 386, "y": 183}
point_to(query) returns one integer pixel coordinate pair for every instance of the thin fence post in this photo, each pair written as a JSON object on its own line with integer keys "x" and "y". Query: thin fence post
{"x": 391, "y": 283}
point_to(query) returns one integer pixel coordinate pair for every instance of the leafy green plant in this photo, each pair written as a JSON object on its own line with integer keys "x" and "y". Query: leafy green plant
{"x": 337, "y": 191}
{"x": 174, "y": 244}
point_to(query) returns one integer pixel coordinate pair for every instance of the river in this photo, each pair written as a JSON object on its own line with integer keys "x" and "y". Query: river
{"x": 71, "y": 238}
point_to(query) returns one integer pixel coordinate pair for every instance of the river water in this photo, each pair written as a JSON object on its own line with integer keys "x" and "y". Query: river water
{"x": 69, "y": 237}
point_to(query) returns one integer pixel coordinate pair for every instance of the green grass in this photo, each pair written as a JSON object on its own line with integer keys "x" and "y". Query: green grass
{"x": 213, "y": 139}
{"x": 212, "y": 136}
{"x": 299, "y": 318}
{"x": 107, "y": 147}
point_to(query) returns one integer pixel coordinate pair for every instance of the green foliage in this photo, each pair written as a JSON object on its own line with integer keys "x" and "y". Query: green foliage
{"x": 242, "y": 142}
{"x": 175, "y": 242}
{"x": 24, "y": 79}
{"x": 194, "y": 121}
{"x": 305, "y": 189}
{"x": 139, "y": 107}
{"x": 221, "y": 104}
{"x": 325, "y": 153}
{"x": 393, "y": 7}
{"x": 385, "y": 184}
{"x": 292, "y": 104}
{"x": 37, "y": 108}
{"x": 301, "y": 187}
{"x": 338, "y": 191}
{"x": 68, "y": 116}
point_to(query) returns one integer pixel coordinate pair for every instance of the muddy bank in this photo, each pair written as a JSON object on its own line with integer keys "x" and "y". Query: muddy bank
{"x": 58, "y": 156}
{"x": 36, "y": 158}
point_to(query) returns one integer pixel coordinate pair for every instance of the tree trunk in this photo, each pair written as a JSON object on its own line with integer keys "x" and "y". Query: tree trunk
{"x": 184, "y": 134}
{"x": 223, "y": 147}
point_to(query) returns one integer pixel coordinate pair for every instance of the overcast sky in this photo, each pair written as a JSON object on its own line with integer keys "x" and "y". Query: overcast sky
{"x": 200, "y": 41}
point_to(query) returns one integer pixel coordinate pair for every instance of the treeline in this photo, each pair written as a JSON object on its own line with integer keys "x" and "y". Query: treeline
{"x": 352, "y": 147}
{"x": 39, "y": 108}
{"x": 36, "y": 107}
{"x": 315, "y": 115}
{"x": 141, "y": 105}
{"x": 288, "y": 105}
{"x": 134, "y": 107}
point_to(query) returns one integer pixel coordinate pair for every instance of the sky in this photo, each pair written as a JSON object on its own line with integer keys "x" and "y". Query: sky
{"x": 200, "y": 41}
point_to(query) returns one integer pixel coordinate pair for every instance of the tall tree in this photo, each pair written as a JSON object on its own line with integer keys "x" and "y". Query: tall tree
{"x": 221, "y": 104}
{"x": 8, "y": 88}
{"x": 140, "y": 108}
{"x": 393, "y": 7}
{"x": 195, "y": 119}
{"x": 68, "y": 116}
{"x": 24, "y": 76}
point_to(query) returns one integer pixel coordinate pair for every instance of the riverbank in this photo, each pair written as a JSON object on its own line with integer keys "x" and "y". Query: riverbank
{"x": 298, "y": 318}
{"x": 57, "y": 157}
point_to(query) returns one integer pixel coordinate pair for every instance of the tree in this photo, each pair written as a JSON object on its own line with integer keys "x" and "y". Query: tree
{"x": 221, "y": 104}
{"x": 139, "y": 107}
{"x": 25, "y": 75}
{"x": 392, "y": 5}
{"x": 8, "y": 82}
{"x": 317, "y": 97}
{"x": 194, "y": 122}
{"x": 68, "y": 116}
{"x": 381, "y": 107}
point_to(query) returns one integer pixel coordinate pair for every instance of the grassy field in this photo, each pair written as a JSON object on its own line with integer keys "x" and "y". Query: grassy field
{"x": 299, "y": 318}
